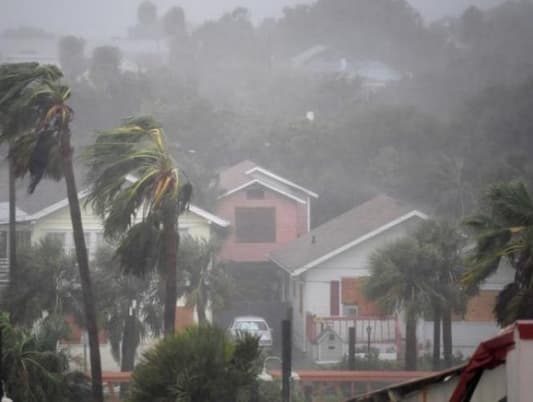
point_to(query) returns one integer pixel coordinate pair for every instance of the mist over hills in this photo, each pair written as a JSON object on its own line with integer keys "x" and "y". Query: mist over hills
{"x": 103, "y": 18}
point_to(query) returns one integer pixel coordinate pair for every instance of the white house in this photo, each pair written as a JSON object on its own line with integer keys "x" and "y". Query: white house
{"x": 323, "y": 273}
{"x": 47, "y": 215}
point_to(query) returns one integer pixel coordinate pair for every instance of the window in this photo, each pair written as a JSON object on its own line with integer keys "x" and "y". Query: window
{"x": 3, "y": 244}
{"x": 349, "y": 310}
{"x": 255, "y": 225}
{"x": 255, "y": 193}
{"x": 58, "y": 237}
{"x": 23, "y": 239}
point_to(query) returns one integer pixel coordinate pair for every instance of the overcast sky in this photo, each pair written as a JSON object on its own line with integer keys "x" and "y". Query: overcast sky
{"x": 104, "y": 18}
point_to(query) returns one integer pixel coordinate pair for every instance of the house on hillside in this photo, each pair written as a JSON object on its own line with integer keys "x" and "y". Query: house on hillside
{"x": 326, "y": 61}
{"x": 266, "y": 211}
{"x": 324, "y": 269}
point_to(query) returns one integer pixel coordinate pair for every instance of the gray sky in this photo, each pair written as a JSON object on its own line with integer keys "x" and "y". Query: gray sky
{"x": 104, "y": 18}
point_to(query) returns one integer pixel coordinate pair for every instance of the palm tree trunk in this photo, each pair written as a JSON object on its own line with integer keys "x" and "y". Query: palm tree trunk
{"x": 447, "y": 336}
{"x": 12, "y": 225}
{"x": 200, "y": 309}
{"x": 410, "y": 341}
{"x": 129, "y": 344}
{"x": 436, "y": 336}
{"x": 128, "y": 349}
{"x": 171, "y": 241}
{"x": 83, "y": 266}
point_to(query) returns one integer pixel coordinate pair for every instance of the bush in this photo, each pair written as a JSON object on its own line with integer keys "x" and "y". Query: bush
{"x": 199, "y": 365}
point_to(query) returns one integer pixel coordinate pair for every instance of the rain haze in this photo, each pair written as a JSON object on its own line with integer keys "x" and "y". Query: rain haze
{"x": 113, "y": 17}
{"x": 199, "y": 196}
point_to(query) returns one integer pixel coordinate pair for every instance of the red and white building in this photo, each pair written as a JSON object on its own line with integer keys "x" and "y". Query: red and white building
{"x": 266, "y": 211}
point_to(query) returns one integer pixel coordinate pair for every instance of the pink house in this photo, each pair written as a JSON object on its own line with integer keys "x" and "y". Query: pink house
{"x": 266, "y": 211}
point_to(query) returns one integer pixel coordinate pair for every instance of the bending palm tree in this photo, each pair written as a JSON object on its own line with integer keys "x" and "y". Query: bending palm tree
{"x": 505, "y": 230}
{"x": 47, "y": 151}
{"x": 397, "y": 281}
{"x": 138, "y": 149}
{"x": 14, "y": 79}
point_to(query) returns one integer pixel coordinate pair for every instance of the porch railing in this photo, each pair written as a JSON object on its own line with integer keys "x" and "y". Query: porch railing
{"x": 381, "y": 329}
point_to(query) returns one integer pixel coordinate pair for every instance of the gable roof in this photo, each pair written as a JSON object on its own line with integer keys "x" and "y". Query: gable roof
{"x": 342, "y": 233}
{"x": 82, "y": 194}
{"x": 21, "y": 216}
{"x": 247, "y": 173}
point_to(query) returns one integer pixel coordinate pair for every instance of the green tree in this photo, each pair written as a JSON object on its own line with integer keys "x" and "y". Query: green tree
{"x": 198, "y": 365}
{"x": 204, "y": 282}
{"x": 34, "y": 370}
{"x": 442, "y": 243}
{"x": 147, "y": 13}
{"x": 71, "y": 56}
{"x": 47, "y": 150}
{"x": 104, "y": 67}
{"x": 15, "y": 119}
{"x": 503, "y": 230}
{"x": 129, "y": 307}
{"x": 399, "y": 280}
{"x": 138, "y": 149}
{"x": 48, "y": 283}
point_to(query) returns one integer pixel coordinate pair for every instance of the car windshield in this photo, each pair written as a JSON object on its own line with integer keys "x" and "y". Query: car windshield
{"x": 250, "y": 326}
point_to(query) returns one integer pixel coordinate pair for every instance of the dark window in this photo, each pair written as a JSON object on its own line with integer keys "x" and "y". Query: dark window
{"x": 255, "y": 225}
{"x": 256, "y": 193}
{"x": 23, "y": 239}
{"x": 3, "y": 244}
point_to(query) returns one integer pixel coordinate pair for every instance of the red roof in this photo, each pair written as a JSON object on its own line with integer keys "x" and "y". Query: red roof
{"x": 490, "y": 354}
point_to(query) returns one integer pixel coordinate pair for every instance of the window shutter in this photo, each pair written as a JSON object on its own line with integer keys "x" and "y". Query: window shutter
{"x": 334, "y": 298}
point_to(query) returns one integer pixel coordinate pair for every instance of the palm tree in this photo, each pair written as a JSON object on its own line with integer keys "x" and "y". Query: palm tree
{"x": 130, "y": 307}
{"x": 14, "y": 79}
{"x": 200, "y": 364}
{"x": 504, "y": 230}
{"x": 203, "y": 282}
{"x": 47, "y": 150}
{"x": 442, "y": 244}
{"x": 137, "y": 150}
{"x": 399, "y": 281}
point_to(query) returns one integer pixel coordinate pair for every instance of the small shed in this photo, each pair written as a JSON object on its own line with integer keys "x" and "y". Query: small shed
{"x": 328, "y": 347}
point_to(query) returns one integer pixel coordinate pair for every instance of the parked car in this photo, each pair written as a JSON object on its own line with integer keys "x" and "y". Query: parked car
{"x": 255, "y": 326}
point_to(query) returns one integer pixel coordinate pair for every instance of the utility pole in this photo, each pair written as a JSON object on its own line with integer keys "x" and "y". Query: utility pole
{"x": 286, "y": 360}
{"x": 351, "y": 348}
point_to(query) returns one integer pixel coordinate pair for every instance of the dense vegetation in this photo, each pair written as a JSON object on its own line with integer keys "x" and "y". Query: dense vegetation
{"x": 457, "y": 121}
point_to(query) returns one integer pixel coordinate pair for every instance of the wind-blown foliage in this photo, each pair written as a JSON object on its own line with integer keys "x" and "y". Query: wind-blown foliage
{"x": 504, "y": 230}
{"x": 136, "y": 151}
{"x": 44, "y": 99}
{"x": 132, "y": 174}
{"x": 204, "y": 282}
{"x": 400, "y": 280}
{"x": 129, "y": 307}
{"x": 198, "y": 365}
{"x": 34, "y": 371}
{"x": 48, "y": 283}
